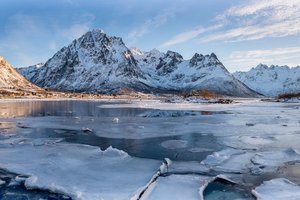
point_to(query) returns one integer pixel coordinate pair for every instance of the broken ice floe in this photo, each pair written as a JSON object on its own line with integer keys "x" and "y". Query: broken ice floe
{"x": 277, "y": 189}
{"x": 80, "y": 171}
{"x": 239, "y": 161}
{"x": 176, "y": 187}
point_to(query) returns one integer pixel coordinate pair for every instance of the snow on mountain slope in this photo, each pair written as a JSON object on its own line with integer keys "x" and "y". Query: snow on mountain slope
{"x": 100, "y": 63}
{"x": 11, "y": 80}
{"x": 95, "y": 62}
{"x": 29, "y": 72}
{"x": 169, "y": 71}
{"x": 271, "y": 81}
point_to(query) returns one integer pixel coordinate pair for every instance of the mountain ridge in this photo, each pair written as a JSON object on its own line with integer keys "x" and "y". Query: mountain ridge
{"x": 271, "y": 80}
{"x": 99, "y": 63}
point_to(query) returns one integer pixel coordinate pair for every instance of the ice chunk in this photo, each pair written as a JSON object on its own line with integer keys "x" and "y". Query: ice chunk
{"x": 217, "y": 158}
{"x": 277, "y": 189}
{"x": 176, "y": 187}
{"x": 276, "y": 158}
{"x": 116, "y": 120}
{"x": 80, "y": 171}
{"x": 239, "y": 161}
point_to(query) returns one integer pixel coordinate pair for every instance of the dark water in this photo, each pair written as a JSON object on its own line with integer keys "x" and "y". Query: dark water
{"x": 224, "y": 190}
{"x": 13, "y": 190}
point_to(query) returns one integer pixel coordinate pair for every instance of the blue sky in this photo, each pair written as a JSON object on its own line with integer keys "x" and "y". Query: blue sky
{"x": 242, "y": 33}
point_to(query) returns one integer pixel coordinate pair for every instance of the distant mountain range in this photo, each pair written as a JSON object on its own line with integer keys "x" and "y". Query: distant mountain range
{"x": 13, "y": 82}
{"x": 271, "y": 81}
{"x": 99, "y": 63}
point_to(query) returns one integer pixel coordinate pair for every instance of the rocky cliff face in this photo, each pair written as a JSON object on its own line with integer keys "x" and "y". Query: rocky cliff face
{"x": 100, "y": 63}
{"x": 271, "y": 81}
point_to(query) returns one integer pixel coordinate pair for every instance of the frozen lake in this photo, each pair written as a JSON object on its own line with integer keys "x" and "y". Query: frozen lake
{"x": 148, "y": 150}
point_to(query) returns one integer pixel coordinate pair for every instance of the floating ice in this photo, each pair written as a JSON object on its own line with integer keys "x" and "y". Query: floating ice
{"x": 217, "y": 158}
{"x": 276, "y": 158}
{"x": 176, "y": 187}
{"x": 277, "y": 189}
{"x": 116, "y": 120}
{"x": 81, "y": 171}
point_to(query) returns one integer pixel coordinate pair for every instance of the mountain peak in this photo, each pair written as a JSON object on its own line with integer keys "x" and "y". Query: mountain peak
{"x": 213, "y": 55}
{"x": 261, "y": 66}
{"x": 136, "y": 51}
{"x": 98, "y": 31}
{"x": 97, "y": 62}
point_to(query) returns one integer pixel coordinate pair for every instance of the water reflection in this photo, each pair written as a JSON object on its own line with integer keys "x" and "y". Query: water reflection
{"x": 61, "y": 108}
{"x": 90, "y": 115}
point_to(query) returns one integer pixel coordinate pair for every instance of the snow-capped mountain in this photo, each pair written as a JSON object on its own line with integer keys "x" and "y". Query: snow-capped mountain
{"x": 12, "y": 81}
{"x": 169, "y": 71}
{"x": 29, "y": 72}
{"x": 100, "y": 63}
{"x": 271, "y": 81}
{"x": 95, "y": 62}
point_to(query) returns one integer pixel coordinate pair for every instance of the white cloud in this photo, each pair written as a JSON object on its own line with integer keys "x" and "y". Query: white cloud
{"x": 152, "y": 23}
{"x": 242, "y": 60}
{"x": 252, "y": 20}
{"x": 258, "y": 19}
{"x": 188, "y": 35}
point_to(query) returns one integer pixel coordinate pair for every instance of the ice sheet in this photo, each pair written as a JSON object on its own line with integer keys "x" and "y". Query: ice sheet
{"x": 276, "y": 158}
{"x": 177, "y": 187}
{"x": 81, "y": 171}
{"x": 277, "y": 189}
{"x": 241, "y": 161}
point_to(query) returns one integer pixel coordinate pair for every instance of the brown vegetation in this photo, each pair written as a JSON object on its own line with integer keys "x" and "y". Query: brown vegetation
{"x": 204, "y": 93}
{"x": 288, "y": 95}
